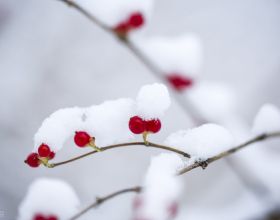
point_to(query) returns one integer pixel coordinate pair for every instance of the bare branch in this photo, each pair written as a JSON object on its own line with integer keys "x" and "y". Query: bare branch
{"x": 148, "y": 144}
{"x": 101, "y": 200}
{"x": 202, "y": 164}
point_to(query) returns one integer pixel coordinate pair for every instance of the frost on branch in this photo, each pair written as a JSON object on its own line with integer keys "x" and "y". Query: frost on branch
{"x": 267, "y": 120}
{"x": 203, "y": 141}
{"x": 152, "y": 101}
{"x": 178, "y": 57}
{"x": 49, "y": 198}
{"x": 119, "y": 13}
{"x": 215, "y": 101}
{"x": 161, "y": 189}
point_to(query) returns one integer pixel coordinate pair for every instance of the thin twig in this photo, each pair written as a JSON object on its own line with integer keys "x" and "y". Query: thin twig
{"x": 226, "y": 153}
{"x": 148, "y": 144}
{"x": 202, "y": 164}
{"x": 101, "y": 200}
{"x": 156, "y": 71}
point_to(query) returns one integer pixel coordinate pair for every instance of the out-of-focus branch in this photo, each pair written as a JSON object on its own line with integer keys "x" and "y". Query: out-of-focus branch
{"x": 101, "y": 200}
{"x": 186, "y": 107}
{"x": 202, "y": 164}
{"x": 146, "y": 144}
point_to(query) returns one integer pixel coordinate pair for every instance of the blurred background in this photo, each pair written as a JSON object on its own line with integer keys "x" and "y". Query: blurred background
{"x": 52, "y": 57}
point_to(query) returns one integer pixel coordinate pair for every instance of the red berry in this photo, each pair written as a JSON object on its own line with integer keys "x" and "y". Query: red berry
{"x": 44, "y": 150}
{"x": 179, "y": 82}
{"x": 51, "y": 155}
{"x": 33, "y": 160}
{"x": 52, "y": 217}
{"x": 173, "y": 210}
{"x": 82, "y": 138}
{"x": 153, "y": 125}
{"x": 122, "y": 28}
{"x": 39, "y": 217}
{"x": 137, "y": 125}
{"x": 136, "y": 20}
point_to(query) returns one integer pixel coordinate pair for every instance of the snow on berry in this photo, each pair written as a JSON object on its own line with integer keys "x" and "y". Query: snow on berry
{"x": 214, "y": 101}
{"x": 118, "y": 13}
{"x": 107, "y": 122}
{"x": 267, "y": 120}
{"x": 161, "y": 188}
{"x": 50, "y": 199}
{"x": 203, "y": 141}
{"x": 180, "y": 56}
{"x": 58, "y": 127}
{"x": 152, "y": 101}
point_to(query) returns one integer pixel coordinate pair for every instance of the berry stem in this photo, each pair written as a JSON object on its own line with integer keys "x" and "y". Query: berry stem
{"x": 45, "y": 162}
{"x": 145, "y": 136}
{"x": 93, "y": 145}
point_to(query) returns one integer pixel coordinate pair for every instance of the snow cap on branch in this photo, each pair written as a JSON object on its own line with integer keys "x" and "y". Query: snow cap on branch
{"x": 267, "y": 119}
{"x": 162, "y": 188}
{"x": 180, "y": 55}
{"x": 49, "y": 197}
{"x": 215, "y": 101}
{"x": 152, "y": 101}
{"x": 58, "y": 127}
{"x": 114, "y": 12}
{"x": 203, "y": 141}
{"x": 108, "y": 122}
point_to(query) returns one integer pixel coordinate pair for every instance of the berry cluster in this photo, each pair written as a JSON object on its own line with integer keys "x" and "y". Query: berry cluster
{"x": 179, "y": 82}
{"x": 43, "y": 217}
{"x": 135, "y": 20}
{"x": 137, "y": 125}
{"x": 43, "y": 156}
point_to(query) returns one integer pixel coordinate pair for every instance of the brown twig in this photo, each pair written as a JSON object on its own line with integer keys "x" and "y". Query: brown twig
{"x": 101, "y": 200}
{"x": 226, "y": 153}
{"x": 202, "y": 164}
{"x": 148, "y": 144}
{"x": 156, "y": 71}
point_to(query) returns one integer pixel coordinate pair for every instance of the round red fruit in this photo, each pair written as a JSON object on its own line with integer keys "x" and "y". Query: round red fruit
{"x": 51, "y": 155}
{"x": 179, "y": 82}
{"x": 153, "y": 125}
{"x": 44, "y": 150}
{"x": 52, "y": 217}
{"x": 82, "y": 138}
{"x": 137, "y": 125}
{"x": 33, "y": 160}
{"x": 136, "y": 20}
{"x": 122, "y": 28}
{"x": 39, "y": 217}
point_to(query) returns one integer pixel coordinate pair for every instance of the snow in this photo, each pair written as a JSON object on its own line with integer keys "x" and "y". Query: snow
{"x": 180, "y": 54}
{"x": 267, "y": 120}
{"x": 152, "y": 101}
{"x": 114, "y": 12}
{"x": 108, "y": 122}
{"x": 49, "y": 197}
{"x": 214, "y": 100}
{"x": 162, "y": 187}
{"x": 203, "y": 141}
{"x": 58, "y": 127}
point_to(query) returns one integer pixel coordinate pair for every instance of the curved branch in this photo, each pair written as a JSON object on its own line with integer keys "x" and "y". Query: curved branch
{"x": 101, "y": 200}
{"x": 138, "y": 53}
{"x": 226, "y": 153}
{"x": 148, "y": 144}
{"x": 202, "y": 164}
